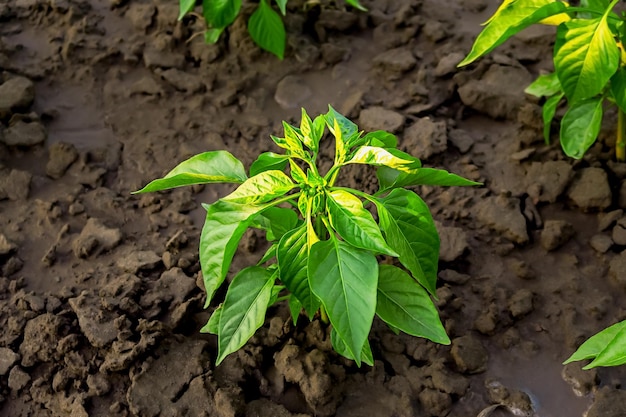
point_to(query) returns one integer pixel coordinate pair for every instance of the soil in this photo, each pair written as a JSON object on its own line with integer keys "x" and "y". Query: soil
{"x": 99, "y": 299}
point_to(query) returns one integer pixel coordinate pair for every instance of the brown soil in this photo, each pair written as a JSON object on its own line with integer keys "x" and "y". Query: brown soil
{"x": 99, "y": 302}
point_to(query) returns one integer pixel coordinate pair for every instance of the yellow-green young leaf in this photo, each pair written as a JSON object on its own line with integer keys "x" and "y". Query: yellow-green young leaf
{"x": 381, "y": 139}
{"x": 244, "y": 309}
{"x": 545, "y": 85}
{"x": 354, "y": 223}
{"x": 291, "y": 256}
{"x": 511, "y": 18}
{"x": 184, "y": 7}
{"x": 311, "y": 132}
{"x": 580, "y": 127}
{"x": 262, "y": 188}
{"x": 268, "y": 161}
{"x": 212, "y": 326}
{"x": 340, "y": 347}
{"x": 356, "y": 4}
{"x": 282, "y": 5}
{"x": 410, "y": 230}
{"x": 618, "y": 88}
{"x": 405, "y": 305}
{"x": 548, "y": 111}
{"x": 297, "y": 173}
{"x": 223, "y": 228}
{"x": 267, "y": 30}
{"x": 372, "y": 155}
{"x": 585, "y": 57}
{"x": 220, "y": 13}
{"x": 207, "y": 167}
{"x": 345, "y": 279}
{"x": 598, "y": 343}
{"x": 392, "y": 178}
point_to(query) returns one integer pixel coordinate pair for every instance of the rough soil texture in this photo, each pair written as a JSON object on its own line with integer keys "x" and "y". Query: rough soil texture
{"x": 99, "y": 302}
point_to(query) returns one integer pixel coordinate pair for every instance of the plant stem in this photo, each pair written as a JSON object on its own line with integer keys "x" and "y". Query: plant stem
{"x": 620, "y": 145}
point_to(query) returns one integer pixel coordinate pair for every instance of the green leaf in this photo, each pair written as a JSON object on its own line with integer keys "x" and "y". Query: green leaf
{"x": 184, "y": 7}
{"x": 345, "y": 280}
{"x": 618, "y": 88}
{"x": 292, "y": 256}
{"x": 410, "y": 230}
{"x": 276, "y": 221}
{"x": 295, "y": 307}
{"x": 381, "y": 139}
{"x": 220, "y": 13}
{"x": 244, "y": 309}
{"x": 291, "y": 143}
{"x": 354, "y": 223}
{"x": 345, "y": 127}
{"x": 372, "y": 155}
{"x": 597, "y": 343}
{"x": 405, "y": 305}
{"x": 262, "y": 188}
{"x": 276, "y": 289}
{"x": 212, "y": 35}
{"x": 268, "y": 255}
{"x": 580, "y": 127}
{"x": 312, "y": 132}
{"x": 267, "y": 30}
{"x": 223, "y": 228}
{"x": 340, "y": 347}
{"x": 282, "y": 5}
{"x": 212, "y": 326}
{"x": 547, "y": 112}
{"x": 268, "y": 161}
{"x": 545, "y": 85}
{"x": 296, "y": 173}
{"x": 585, "y": 57}
{"x": 356, "y": 4}
{"x": 511, "y": 18}
{"x": 207, "y": 167}
{"x": 392, "y": 178}
{"x": 614, "y": 353}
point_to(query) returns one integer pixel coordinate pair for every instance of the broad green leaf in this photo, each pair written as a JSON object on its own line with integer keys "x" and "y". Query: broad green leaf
{"x": 297, "y": 173}
{"x": 410, "y": 230}
{"x": 585, "y": 57}
{"x": 580, "y": 127}
{"x": 282, "y": 5}
{"x": 207, "y": 167}
{"x": 356, "y": 4}
{"x": 244, "y": 309}
{"x": 547, "y": 112}
{"x": 184, "y": 7}
{"x": 212, "y": 326}
{"x": 340, "y": 347}
{"x": 381, "y": 139}
{"x": 596, "y": 343}
{"x": 392, "y": 178}
{"x": 262, "y": 188}
{"x": 513, "y": 17}
{"x": 220, "y": 13}
{"x": 599, "y": 6}
{"x": 276, "y": 289}
{"x": 354, "y": 223}
{"x": 613, "y": 354}
{"x": 292, "y": 255}
{"x": 618, "y": 88}
{"x": 223, "y": 228}
{"x": 276, "y": 221}
{"x": 212, "y": 35}
{"x": 345, "y": 279}
{"x": 295, "y": 307}
{"x": 268, "y": 161}
{"x": 545, "y": 85}
{"x": 267, "y": 30}
{"x": 345, "y": 128}
{"x": 405, "y": 305}
{"x": 372, "y": 155}
{"x": 311, "y": 132}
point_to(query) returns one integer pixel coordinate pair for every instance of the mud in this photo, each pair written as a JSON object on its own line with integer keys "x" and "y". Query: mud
{"x": 99, "y": 298}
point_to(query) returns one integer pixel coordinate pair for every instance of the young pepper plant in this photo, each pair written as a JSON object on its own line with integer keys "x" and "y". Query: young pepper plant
{"x": 589, "y": 64}
{"x": 325, "y": 243}
{"x": 265, "y": 25}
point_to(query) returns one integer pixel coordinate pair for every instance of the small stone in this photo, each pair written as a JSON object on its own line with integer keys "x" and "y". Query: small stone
{"x": 608, "y": 402}
{"x": 606, "y": 220}
{"x": 601, "y": 243}
{"x": 426, "y": 137}
{"x": 591, "y": 190}
{"x": 521, "y": 303}
{"x": 469, "y": 354}
{"x": 16, "y": 185}
{"x": 617, "y": 266}
{"x": 61, "y": 156}
{"x": 447, "y": 64}
{"x": 183, "y": 81}
{"x": 8, "y": 358}
{"x": 453, "y": 243}
{"x": 619, "y": 232}
{"x": 453, "y": 277}
{"x": 18, "y": 379}
{"x": 137, "y": 261}
{"x": 23, "y": 133}
{"x": 556, "y": 233}
{"x": 396, "y": 60}
{"x": 292, "y": 92}
{"x": 380, "y": 118}
{"x": 17, "y": 93}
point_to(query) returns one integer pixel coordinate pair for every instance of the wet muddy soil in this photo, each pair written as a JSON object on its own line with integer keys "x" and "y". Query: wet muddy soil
{"x": 99, "y": 299}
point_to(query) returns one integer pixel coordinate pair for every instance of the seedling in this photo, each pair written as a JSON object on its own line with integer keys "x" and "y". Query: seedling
{"x": 265, "y": 25}
{"x": 589, "y": 64}
{"x": 325, "y": 244}
{"x": 606, "y": 348}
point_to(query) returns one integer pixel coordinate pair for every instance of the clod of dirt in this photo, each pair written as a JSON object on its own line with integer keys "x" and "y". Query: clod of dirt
{"x": 453, "y": 277}
{"x": 183, "y": 81}
{"x": 461, "y": 139}
{"x": 504, "y": 216}
{"x": 6, "y": 246}
{"x": 153, "y": 58}
{"x": 425, "y": 138}
{"x": 548, "y": 180}
{"x": 435, "y": 402}
{"x": 97, "y": 324}
{"x": 62, "y": 155}
{"x": 617, "y": 266}
{"x": 449, "y": 382}
{"x": 266, "y": 408}
{"x": 396, "y": 60}
{"x": 619, "y": 232}
{"x": 591, "y": 190}
{"x": 16, "y": 93}
{"x": 41, "y": 336}
{"x": 16, "y": 185}
{"x": 124, "y": 352}
{"x": 453, "y": 242}
{"x": 447, "y": 64}
{"x": 608, "y": 403}
{"x": 136, "y": 261}
{"x": 141, "y": 15}
{"x": 22, "y": 133}
{"x": 521, "y": 303}
{"x": 493, "y": 95}
{"x": 146, "y": 86}
{"x": 18, "y": 379}
{"x": 373, "y": 399}
{"x": 8, "y": 358}
{"x": 606, "y": 220}
{"x": 291, "y": 92}
{"x": 556, "y": 233}
{"x": 95, "y": 238}
{"x": 601, "y": 243}
{"x": 380, "y": 118}
{"x": 518, "y": 402}
{"x": 469, "y": 354}
{"x": 581, "y": 381}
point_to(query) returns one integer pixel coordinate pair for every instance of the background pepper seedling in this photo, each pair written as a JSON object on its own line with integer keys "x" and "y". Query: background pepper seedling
{"x": 589, "y": 64}
{"x": 324, "y": 241}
